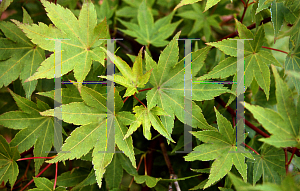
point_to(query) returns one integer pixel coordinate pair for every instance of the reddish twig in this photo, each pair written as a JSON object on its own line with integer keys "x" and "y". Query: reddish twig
{"x": 244, "y": 12}
{"x": 36, "y": 176}
{"x": 286, "y": 161}
{"x": 137, "y": 169}
{"x": 294, "y": 150}
{"x": 145, "y": 89}
{"x": 35, "y": 158}
{"x": 252, "y": 26}
{"x": 275, "y": 49}
{"x": 243, "y": 3}
{"x": 251, "y": 148}
{"x": 139, "y": 100}
{"x": 55, "y": 179}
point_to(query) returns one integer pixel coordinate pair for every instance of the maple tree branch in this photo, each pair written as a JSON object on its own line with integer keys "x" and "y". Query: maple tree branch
{"x": 252, "y": 26}
{"x": 24, "y": 175}
{"x": 145, "y": 89}
{"x": 35, "y": 158}
{"x": 275, "y": 49}
{"x": 251, "y": 148}
{"x": 137, "y": 169}
{"x": 36, "y": 176}
{"x": 243, "y": 3}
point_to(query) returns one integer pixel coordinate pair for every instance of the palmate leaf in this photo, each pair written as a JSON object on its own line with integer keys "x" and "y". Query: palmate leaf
{"x": 19, "y": 56}
{"x": 221, "y": 146}
{"x": 92, "y": 134}
{"x": 44, "y": 184}
{"x": 167, "y": 79}
{"x": 256, "y": 60}
{"x": 283, "y": 124}
{"x": 148, "y": 117}
{"x": 269, "y": 164}
{"x": 147, "y": 32}
{"x": 35, "y": 129}
{"x": 202, "y": 20}
{"x": 8, "y": 167}
{"x": 292, "y": 63}
{"x": 83, "y": 42}
{"x": 208, "y": 5}
{"x": 132, "y": 78}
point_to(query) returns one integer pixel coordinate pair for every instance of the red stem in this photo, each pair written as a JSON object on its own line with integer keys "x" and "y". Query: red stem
{"x": 145, "y": 89}
{"x": 243, "y": 3}
{"x": 275, "y": 49}
{"x": 35, "y": 158}
{"x": 55, "y": 179}
{"x": 251, "y": 148}
{"x": 139, "y": 100}
{"x": 244, "y": 12}
{"x": 286, "y": 161}
{"x": 294, "y": 150}
{"x": 36, "y": 176}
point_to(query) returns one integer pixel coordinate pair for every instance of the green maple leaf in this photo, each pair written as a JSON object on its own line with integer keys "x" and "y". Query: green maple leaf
{"x": 292, "y": 63}
{"x": 34, "y": 129}
{"x": 208, "y": 5}
{"x": 148, "y": 117}
{"x": 221, "y": 146}
{"x": 92, "y": 116}
{"x": 8, "y": 167}
{"x": 19, "y": 56}
{"x": 202, "y": 20}
{"x": 283, "y": 124}
{"x": 269, "y": 164}
{"x": 167, "y": 79}
{"x": 132, "y": 78}
{"x": 147, "y": 32}
{"x": 256, "y": 60}
{"x": 82, "y": 46}
{"x": 44, "y": 184}
{"x": 289, "y": 183}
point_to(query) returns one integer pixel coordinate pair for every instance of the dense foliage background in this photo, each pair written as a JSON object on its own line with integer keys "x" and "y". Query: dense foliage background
{"x": 149, "y": 109}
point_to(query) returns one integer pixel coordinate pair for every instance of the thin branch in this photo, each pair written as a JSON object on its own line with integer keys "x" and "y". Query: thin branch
{"x": 244, "y": 12}
{"x": 55, "y": 179}
{"x": 251, "y": 148}
{"x": 252, "y": 26}
{"x": 286, "y": 161}
{"x": 275, "y": 49}
{"x": 139, "y": 100}
{"x": 35, "y": 158}
{"x": 126, "y": 99}
{"x": 294, "y": 150}
{"x": 243, "y": 3}
{"x": 36, "y": 176}
{"x": 138, "y": 167}
{"x": 145, "y": 89}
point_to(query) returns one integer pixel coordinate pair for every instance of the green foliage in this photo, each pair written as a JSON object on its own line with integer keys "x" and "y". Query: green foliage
{"x": 151, "y": 105}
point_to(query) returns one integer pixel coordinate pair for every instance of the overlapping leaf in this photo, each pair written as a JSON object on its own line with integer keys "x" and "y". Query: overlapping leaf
{"x": 202, "y": 20}
{"x": 35, "y": 129}
{"x": 147, "y": 32}
{"x": 269, "y": 164}
{"x": 256, "y": 60}
{"x": 9, "y": 169}
{"x": 92, "y": 115}
{"x": 81, "y": 42}
{"x": 148, "y": 117}
{"x": 167, "y": 79}
{"x": 132, "y": 78}
{"x": 43, "y": 184}
{"x": 208, "y": 5}
{"x": 19, "y": 56}
{"x": 220, "y": 146}
{"x": 283, "y": 124}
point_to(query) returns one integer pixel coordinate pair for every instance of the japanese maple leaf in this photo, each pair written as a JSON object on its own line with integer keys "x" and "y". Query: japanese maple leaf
{"x": 167, "y": 80}
{"x": 132, "y": 78}
{"x": 8, "y": 167}
{"x": 220, "y": 146}
{"x": 148, "y": 117}
{"x": 269, "y": 164}
{"x": 92, "y": 134}
{"x": 35, "y": 130}
{"x": 147, "y": 32}
{"x": 283, "y": 124}
{"x": 81, "y": 44}
{"x": 202, "y": 20}
{"x": 19, "y": 56}
{"x": 257, "y": 61}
